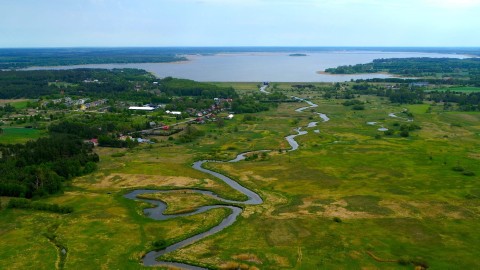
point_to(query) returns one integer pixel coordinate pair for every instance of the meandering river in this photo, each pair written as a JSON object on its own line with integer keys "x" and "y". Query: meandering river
{"x": 253, "y": 198}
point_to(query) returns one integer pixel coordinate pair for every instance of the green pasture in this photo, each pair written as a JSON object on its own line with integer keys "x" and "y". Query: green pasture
{"x": 19, "y": 134}
{"x": 351, "y": 197}
{"x": 463, "y": 89}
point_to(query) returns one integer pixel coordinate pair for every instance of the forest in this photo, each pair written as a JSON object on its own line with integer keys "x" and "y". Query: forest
{"x": 182, "y": 87}
{"x": 405, "y": 93}
{"x": 41, "y": 167}
{"x": 22, "y": 58}
{"x": 467, "y": 69}
{"x": 81, "y": 82}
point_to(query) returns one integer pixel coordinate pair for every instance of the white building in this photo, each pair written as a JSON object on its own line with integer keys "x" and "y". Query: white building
{"x": 174, "y": 112}
{"x": 146, "y": 108}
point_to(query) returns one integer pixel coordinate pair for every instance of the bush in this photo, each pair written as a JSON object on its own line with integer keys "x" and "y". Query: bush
{"x": 22, "y": 203}
{"x": 119, "y": 154}
{"x": 404, "y": 133}
{"x": 159, "y": 244}
{"x": 90, "y": 167}
{"x": 404, "y": 261}
{"x": 389, "y": 132}
{"x": 358, "y": 107}
{"x": 409, "y": 127}
{"x": 458, "y": 169}
{"x": 422, "y": 264}
{"x": 352, "y": 102}
{"x": 337, "y": 220}
{"x": 468, "y": 173}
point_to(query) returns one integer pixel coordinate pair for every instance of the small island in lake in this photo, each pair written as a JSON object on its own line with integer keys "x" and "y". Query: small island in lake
{"x": 297, "y": 54}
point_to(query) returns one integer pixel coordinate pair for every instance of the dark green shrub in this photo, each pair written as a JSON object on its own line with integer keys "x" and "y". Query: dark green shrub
{"x": 404, "y": 133}
{"x": 120, "y": 154}
{"x": 358, "y": 107}
{"x": 468, "y": 173}
{"x": 389, "y": 132}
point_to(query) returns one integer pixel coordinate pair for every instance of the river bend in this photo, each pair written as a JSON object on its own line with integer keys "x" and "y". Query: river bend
{"x": 253, "y": 198}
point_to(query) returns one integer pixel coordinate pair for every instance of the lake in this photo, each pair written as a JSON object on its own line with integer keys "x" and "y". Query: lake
{"x": 264, "y": 66}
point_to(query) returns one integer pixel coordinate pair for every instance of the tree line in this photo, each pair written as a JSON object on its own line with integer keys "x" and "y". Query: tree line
{"x": 22, "y": 203}
{"x": 182, "y": 87}
{"x": 81, "y": 82}
{"x": 21, "y": 58}
{"x": 41, "y": 167}
{"x": 416, "y": 67}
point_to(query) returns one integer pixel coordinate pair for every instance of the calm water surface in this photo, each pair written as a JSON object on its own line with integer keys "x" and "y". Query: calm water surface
{"x": 253, "y": 67}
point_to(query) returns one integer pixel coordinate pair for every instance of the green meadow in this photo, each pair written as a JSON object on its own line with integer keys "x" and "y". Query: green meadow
{"x": 17, "y": 103}
{"x": 350, "y": 197}
{"x": 19, "y": 134}
{"x": 463, "y": 89}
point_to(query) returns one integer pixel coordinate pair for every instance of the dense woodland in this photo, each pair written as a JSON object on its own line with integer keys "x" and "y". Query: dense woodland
{"x": 406, "y": 94}
{"x": 467, "y": 69}
{"x": 21, "y": 58}
{"x": 183, "y": 87}
{"x": 41, "y": 167}
{"x": 81, "y": 82}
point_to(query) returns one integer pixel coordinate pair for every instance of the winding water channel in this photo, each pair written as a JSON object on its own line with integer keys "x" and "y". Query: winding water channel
{"x": 157, "y": 212}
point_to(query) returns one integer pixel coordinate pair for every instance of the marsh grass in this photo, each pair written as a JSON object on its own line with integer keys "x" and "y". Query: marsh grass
{"x": 396, "y": 197}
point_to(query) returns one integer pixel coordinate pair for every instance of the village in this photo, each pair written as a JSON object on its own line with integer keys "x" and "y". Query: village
{"x": 38, "y": 114}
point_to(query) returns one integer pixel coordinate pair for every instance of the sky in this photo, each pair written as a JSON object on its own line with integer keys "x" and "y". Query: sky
{"x": 164, "y": 23}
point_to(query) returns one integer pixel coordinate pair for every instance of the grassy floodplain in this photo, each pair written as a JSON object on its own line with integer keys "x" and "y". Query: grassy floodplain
{"x": 349, "y": 198}
{"x": 464, "y": 89}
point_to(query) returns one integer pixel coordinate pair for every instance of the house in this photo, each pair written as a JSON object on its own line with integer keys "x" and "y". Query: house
{"x": 173, "y": 112}
{"x": 419, "y": 84}
{"x": 145, "y": 108}
{"x": 92, "y": 141}
{"x": 125, "y": 137}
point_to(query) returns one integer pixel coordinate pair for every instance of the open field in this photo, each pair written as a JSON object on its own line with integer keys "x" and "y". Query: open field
{"x": 19, "y": 135}
{"x": 349, "y": 198}
{"x": 17, "y": 103}
{"x": 459, "y": 89}
{"x": 244, "y": 87}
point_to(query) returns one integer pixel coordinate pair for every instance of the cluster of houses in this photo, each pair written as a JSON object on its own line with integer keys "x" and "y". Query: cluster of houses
{"x": 147, "y": 107}
{"x": 82, "y": 103}
{"x": 94, "y": 141}
{"x": 210, "y": 113}
{"x": 139, "y": 140}
{"x": 68, "y": 101}
{"x": 93, "y": 104}
{"x": 91, "y": 81}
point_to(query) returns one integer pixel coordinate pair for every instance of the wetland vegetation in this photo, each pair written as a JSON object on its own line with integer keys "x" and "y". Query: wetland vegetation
{"x": 350, "y": 197}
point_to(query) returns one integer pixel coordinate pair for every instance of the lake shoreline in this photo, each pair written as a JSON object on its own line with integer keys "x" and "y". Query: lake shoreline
{"x": 261, "y": 66}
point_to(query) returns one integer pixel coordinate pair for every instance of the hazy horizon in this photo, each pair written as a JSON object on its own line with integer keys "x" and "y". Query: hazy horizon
{"x": 239, "y": 23}
{"x": 246, "y": 47}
